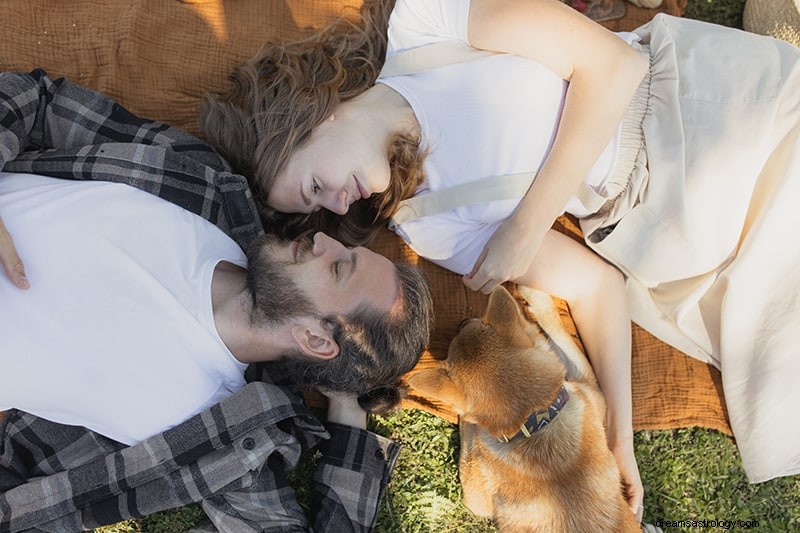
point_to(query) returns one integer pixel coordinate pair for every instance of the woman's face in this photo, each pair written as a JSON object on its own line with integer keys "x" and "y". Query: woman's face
{"x": 340, "y": 164}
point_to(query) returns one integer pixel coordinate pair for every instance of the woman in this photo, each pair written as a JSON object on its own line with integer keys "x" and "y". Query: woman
{"x": 672, "y": 144}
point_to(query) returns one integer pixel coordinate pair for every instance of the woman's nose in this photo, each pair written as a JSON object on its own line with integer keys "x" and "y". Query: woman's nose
{"x": 337, "y": 203}
{"x": 324, "y": 244}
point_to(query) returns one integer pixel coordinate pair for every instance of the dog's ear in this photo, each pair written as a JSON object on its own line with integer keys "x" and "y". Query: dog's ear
{"x": 435, "y": 383}
{"x": 503, "y": 310}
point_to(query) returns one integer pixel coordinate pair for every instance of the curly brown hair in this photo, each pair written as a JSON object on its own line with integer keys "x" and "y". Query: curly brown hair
{"x": 275, "y": 101}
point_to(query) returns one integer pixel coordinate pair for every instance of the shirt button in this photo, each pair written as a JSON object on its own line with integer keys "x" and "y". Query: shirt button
{"x": 248, "y": 443}
{"x": 379, "y": 455}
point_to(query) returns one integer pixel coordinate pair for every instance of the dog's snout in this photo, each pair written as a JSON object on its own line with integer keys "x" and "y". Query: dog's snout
{"x": 467, "y": 321}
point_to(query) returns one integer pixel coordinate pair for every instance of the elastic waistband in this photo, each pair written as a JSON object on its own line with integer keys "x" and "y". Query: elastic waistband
{"x": 631, "y": 142}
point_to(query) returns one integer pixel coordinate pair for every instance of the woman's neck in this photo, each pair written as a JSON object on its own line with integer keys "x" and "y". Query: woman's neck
{"x": 386, "y": 111}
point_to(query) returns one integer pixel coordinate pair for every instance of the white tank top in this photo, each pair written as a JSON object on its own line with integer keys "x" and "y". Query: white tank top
{"x": 492, "y": 116}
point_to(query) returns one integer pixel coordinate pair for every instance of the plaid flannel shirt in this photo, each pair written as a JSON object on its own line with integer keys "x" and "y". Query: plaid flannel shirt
{"x": 234, "y": 457}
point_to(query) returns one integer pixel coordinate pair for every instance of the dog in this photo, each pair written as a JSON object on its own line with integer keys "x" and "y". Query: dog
{"x": 534, "y": 455}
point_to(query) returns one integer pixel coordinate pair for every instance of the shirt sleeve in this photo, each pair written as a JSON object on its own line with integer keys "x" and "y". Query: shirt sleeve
{"x": 59, "y": 129}
{"x": 351, "y": 477}
{"x": 38, "y": 113}
{"x": 348, "y": 482}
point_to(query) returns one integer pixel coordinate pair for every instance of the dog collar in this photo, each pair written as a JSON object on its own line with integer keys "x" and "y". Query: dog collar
{"x": 542, "y": 418}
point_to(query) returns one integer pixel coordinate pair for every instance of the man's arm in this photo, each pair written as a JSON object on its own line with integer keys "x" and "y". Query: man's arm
{"x": 56, "y": 128}
{"x": 59, "y": 129}
{"x": 350, "y": 478}
{"x": 240, "y": 472}
{"x": 38, "y": 113}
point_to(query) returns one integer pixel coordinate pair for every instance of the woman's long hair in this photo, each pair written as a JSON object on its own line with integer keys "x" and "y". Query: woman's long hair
{"x": 277, "y": 98}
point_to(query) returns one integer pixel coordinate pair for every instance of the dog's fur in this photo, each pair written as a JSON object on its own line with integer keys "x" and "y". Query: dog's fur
{"x": 498, "y": 371}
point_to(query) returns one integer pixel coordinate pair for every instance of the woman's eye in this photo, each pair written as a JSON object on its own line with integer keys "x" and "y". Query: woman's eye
{"x": 315, "y": 188}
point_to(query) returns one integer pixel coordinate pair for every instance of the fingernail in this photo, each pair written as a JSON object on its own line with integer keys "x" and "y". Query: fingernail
{"x": 22, "y": 279}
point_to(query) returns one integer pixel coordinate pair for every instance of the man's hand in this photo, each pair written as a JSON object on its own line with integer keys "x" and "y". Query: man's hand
{"x": 10, "y": 260}
{"x": 343, "y": 409}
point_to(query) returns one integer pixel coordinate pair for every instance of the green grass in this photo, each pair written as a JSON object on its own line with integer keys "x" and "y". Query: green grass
{"x": 725, "y": 12}
{"x": 689, "y": 474}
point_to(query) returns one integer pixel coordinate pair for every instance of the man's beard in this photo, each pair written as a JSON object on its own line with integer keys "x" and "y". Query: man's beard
{"x": 276, "y": 297}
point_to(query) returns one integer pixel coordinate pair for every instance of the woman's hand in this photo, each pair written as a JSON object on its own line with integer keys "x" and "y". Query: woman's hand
{"x": 10, "y": 260}
{"x": 631, "y": 480}
{"x": 506, "y": 257}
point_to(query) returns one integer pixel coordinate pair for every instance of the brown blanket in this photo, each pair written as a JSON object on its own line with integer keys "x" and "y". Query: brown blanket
{"x": 159, "y": 58}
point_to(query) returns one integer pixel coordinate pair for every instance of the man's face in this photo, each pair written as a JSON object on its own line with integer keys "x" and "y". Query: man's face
{"x": 320, "y": 275}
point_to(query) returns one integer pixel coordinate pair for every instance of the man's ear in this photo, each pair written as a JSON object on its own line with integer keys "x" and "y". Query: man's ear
{"x": 314, "y": 339}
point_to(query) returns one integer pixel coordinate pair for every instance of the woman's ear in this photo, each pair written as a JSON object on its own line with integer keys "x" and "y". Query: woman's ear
{"x": 315, "y": 340}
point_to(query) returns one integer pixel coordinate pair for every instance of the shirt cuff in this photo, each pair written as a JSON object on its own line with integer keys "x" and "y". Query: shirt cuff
{"x": 359, "y": 450}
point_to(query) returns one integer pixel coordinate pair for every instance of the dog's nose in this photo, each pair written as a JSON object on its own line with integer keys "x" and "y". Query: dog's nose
{"x": 467, "y": 321}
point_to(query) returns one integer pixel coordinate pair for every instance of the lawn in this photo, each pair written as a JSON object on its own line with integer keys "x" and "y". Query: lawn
{"x": 689, "y": 474}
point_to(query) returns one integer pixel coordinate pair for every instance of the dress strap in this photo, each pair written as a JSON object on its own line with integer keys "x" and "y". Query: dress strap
{"x": 491, "y": 189}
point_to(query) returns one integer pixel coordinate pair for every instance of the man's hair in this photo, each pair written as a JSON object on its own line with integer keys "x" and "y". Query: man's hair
{"x": 375, "y": 348}
{"x": 274, "y": 102}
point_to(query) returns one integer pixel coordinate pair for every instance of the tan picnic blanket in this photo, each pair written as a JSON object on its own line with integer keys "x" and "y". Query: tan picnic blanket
{"x": 158, "y": 59}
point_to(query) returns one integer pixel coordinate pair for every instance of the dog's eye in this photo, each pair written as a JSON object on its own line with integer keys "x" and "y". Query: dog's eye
{"x": 466, "y": 321}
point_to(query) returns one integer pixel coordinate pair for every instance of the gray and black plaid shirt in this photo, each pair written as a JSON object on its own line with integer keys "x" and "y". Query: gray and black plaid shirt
{"x": 234, "y": 457}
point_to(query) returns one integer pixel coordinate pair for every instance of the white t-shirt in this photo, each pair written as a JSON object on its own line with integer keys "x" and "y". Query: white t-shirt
{"x": 487, "y": 117}
{"x": 116, "y": 332}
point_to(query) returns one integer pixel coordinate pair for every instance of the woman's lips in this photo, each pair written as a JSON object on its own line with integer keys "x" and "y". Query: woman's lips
{"x": 362, "y": 192}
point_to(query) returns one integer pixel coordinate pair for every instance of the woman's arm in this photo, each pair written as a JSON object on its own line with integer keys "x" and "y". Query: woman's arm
{"x": 603, "y": 72}
{"x": 595, "y": 292}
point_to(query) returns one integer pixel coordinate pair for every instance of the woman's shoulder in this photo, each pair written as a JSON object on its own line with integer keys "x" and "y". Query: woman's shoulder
{"x": 416, "y": 23}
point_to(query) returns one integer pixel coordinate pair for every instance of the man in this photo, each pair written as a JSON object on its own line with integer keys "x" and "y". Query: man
{"x": 234, "y": 455}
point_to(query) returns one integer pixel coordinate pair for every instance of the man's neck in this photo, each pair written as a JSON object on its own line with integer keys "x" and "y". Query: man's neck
{"x": 231, "y": 304}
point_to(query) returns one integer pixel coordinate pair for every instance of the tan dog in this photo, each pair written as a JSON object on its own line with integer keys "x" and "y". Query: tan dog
{"x": 533, "y": 447}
